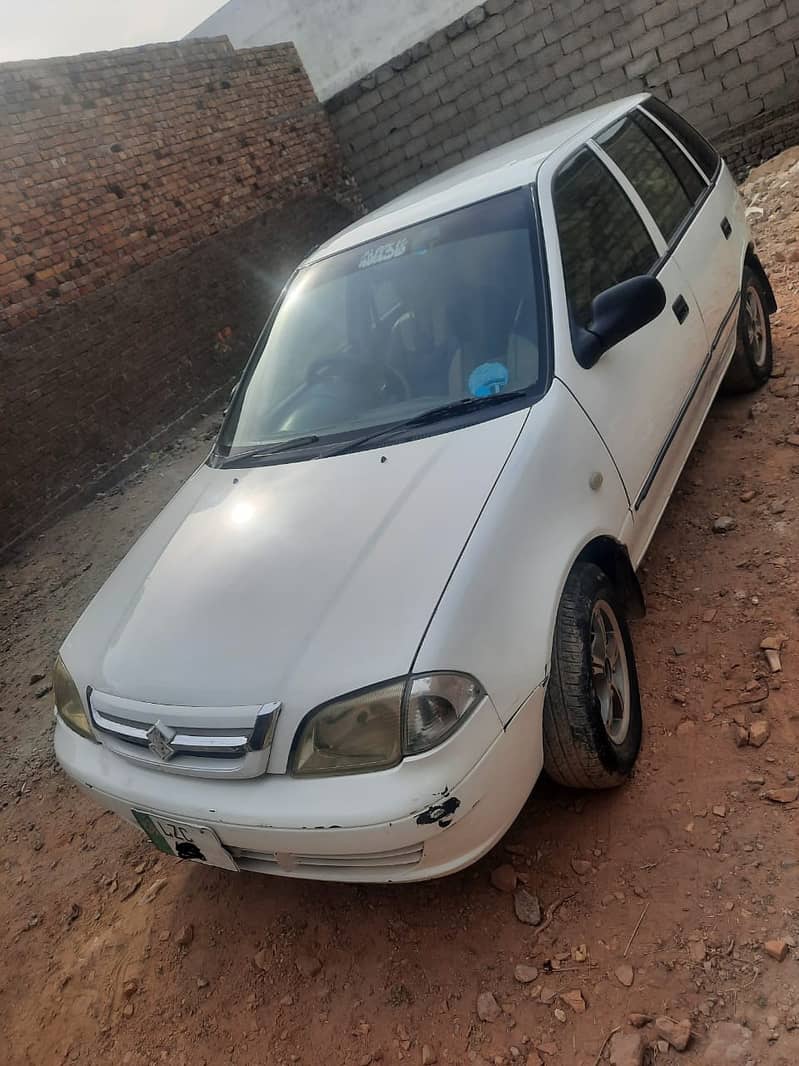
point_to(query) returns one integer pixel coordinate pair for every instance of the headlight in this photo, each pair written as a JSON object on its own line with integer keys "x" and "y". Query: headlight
{"x": 374, "y": 728}
{"x": 359, "y": 732}
{"x": 68, "y": 703}
{"x": 434, "y": 705}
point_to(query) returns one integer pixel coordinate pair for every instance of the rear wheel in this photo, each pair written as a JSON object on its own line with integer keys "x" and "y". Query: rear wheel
{"x": 753, "y": 359}
{"x": 592, "y": 711}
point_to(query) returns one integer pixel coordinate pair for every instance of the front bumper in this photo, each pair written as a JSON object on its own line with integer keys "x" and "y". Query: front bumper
{"x": 410, "y": 823}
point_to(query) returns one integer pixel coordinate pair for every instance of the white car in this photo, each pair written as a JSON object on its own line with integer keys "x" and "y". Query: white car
{"x": 399, "y": 586}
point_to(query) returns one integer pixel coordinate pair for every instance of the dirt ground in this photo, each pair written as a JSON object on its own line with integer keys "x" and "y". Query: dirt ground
{"x": 110, "y": 952}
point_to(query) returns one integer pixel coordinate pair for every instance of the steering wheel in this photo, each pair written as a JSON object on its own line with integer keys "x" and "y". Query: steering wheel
{"x": 384, "y": 379}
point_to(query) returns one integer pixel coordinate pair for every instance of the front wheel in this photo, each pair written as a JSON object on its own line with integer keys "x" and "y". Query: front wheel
{"x": 592, "y": 711}
{"x": 752, "y": 362}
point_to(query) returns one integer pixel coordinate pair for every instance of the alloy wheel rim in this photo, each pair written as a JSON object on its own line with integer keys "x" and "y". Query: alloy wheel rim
{"x": 755, "y": 326}
{"x": 610, "y": 675}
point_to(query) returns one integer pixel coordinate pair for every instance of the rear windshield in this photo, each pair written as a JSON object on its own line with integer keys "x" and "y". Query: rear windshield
{"x": 433, "y": 314}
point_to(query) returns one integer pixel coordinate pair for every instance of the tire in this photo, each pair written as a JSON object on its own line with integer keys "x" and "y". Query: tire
{"x": 579, "y": 750}
{"x": 753, "y": 360}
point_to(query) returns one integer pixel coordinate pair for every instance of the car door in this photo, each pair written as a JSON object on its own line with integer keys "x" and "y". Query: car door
{"x": 716, "y": 231}
{"x": 600, "y": 234}
{"x": 693, "y": 202}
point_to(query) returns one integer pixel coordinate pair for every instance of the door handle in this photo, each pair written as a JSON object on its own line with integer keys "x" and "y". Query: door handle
{"x": 726, "y": 228}
{"x": 680, "y": 308}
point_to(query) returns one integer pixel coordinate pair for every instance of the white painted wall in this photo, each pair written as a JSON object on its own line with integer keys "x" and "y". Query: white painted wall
{"x": 338, "y": 40}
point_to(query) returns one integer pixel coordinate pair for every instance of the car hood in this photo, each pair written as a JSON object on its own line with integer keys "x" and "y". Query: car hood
{"x": 296, "y": 582}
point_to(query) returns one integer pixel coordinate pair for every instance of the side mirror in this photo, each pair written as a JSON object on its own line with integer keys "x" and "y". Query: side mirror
{"x": 617, "y": 313}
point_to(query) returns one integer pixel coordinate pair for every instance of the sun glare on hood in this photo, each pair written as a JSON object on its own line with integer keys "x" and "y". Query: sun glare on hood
{"x": 242, "y": 513}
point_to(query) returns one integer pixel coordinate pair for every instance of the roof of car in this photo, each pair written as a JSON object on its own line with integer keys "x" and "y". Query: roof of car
{"x": 508, "y": 166}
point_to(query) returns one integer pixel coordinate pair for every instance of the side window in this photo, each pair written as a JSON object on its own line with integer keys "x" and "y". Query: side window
{"x": 693, "y": 142}
{"x": 668, "y": 196}
{"x": 603, "y": 239}
{"x": 687, "y": 174}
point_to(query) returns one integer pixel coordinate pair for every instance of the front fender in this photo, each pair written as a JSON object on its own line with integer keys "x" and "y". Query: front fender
{"x": 496, "y": 617}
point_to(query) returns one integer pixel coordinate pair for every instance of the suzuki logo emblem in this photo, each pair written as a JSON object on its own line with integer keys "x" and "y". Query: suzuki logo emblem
{"x": 159, "y": 741}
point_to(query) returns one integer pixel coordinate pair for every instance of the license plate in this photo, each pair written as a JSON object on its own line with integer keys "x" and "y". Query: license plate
{"x": 194, "y": 842}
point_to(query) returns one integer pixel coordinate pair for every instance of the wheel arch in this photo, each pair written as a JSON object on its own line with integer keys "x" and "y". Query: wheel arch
{"x": 579, "y": 750}
{"x": 611, "y": 556}
{"x": 752, "y": 260}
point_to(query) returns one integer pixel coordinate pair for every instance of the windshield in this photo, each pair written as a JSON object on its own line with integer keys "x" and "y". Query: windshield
{"x": 428, "y": 316}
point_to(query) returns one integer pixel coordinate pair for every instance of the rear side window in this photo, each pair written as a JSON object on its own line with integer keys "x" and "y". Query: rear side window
{"x": 603, "y": 239}
{"x": 668, "y": 193}
{"x": 687, "y": 174}
{"x": 706, "y": 156}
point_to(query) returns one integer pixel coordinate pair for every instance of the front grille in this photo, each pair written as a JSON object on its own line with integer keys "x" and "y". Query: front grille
{"x": 271, "y": 862}
{"x": 196, "y": 741}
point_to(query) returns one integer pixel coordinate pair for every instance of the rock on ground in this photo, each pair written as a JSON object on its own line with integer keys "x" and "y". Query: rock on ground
{"x": 308, "y": 965}
{"x": 627, "y": 1049}
{"x": 759, "y": 732}
{"x": 504, "y": 878}
{"x": 185, "y": 935}
{"x": 777, "y": 949}
{"x": 527, "y": 907}
{"x": 153, "y": 890}
{"x": 488, "y": 1010}
{"x": 581, "y": 867}
{"x": 574, "y": 999}
{"x": 788, "y": 794}
{"x": 729, "y": 1044}
{"x": 677, "y": 1034}
{"x": 724, "y": 524}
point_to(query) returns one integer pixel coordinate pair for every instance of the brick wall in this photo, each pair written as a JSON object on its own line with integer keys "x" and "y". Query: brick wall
{"x": 509, "y": 66}
{"x": 111, "y": 161}
{"x": 152, "y": 203}
{"x": 761, "y": 138}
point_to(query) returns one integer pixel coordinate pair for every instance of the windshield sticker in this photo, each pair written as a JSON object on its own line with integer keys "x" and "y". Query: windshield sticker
{"x": 488, "y": 379}
{"x": 383, "y": 253}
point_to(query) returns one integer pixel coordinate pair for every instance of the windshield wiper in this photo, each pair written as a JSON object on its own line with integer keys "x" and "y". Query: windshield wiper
{"x": 433, "y": 414}
{"x": 263, "y": 451}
